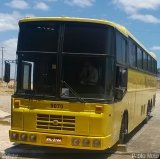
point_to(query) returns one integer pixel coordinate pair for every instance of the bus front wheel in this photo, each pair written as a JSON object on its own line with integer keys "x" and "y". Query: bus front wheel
{"x": 124, "y": 130}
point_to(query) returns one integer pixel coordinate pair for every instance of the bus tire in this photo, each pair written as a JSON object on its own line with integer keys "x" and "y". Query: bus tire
{"x": 148, "y": 114}
{"x": 124, "y": 129}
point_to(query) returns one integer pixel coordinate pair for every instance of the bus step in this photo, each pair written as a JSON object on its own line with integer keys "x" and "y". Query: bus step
{"x": 121, "y": 147}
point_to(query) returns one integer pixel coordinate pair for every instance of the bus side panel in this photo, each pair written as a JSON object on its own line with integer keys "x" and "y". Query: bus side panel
{"x": 141, "y": 89}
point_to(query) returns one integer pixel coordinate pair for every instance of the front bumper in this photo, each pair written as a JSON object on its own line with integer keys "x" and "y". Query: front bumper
{"x": 59, "y": 140}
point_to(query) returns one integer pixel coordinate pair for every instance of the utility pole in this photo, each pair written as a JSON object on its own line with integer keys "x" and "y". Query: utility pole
{"x": 2, "y": 65}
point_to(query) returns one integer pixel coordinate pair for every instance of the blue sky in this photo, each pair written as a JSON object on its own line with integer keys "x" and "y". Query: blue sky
{"x": 140, "y": 17}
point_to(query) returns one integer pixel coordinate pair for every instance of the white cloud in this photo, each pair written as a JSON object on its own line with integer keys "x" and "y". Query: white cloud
{"x": 41, "y": 6}
{"x": 155, "y": 48}
{"x": 133, "y": 9}
{"x": 145, "y": 18}
{"x": 18, "y": 4}
{"x": 10, "y": 47}
{"x": 136, "y": 5}
{"x": 9, "y": 21}
{"x": 80, "y": 3}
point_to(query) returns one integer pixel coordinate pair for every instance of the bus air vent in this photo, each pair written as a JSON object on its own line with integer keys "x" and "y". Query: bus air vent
{"x": 55, "y": 122}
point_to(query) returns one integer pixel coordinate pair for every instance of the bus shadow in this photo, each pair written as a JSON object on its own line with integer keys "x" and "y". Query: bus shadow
{"x": 40, "y": 152}
{"x": 138, "y": 128}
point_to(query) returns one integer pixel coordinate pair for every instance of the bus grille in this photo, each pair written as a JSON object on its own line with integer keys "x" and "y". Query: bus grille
{"x": 55, "y": 122}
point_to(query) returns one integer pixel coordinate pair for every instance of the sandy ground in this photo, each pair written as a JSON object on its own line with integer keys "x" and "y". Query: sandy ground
{"x": 5, "y": 97}
{"x": 5, "y": 103}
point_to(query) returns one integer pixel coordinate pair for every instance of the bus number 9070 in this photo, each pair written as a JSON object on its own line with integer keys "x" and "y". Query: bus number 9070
{"x": 58, "y": 106}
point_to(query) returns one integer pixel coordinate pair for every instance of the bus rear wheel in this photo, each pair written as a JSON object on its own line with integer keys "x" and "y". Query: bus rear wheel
{"x": 148, "y": 114}
{"x": 124, "y": 130}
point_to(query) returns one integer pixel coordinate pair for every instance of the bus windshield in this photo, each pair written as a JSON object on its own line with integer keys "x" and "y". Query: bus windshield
{"x": 38, "y": 37}
{"x": 86, "y": 76}
{"x": 87, "y": 38}
{"x": 53, "y": 59}
{"x": 37, "y": 74}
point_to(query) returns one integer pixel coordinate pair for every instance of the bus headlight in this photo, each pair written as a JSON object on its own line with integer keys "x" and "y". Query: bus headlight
{"x": 86, "y": 142}
{"x": 32, "y": 138}
{"x": 75, "y": 141}
{"x": 96, "y": 143}
{"x": 23, "y": 137}
{"x": 14, "y": 136}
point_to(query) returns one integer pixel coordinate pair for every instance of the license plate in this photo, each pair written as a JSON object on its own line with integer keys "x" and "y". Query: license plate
{"x": 53, "y": 140}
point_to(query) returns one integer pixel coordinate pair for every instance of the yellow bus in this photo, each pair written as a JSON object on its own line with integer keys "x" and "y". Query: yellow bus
{"x": 81, "y": 83}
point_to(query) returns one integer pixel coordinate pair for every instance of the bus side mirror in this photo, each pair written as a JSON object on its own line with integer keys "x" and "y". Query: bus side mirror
{"x": 7, "y": 72}
{"x": 120, "y": 92}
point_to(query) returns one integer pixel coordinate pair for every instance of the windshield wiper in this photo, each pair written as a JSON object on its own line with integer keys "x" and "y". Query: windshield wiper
{"x": 73, "y": 92}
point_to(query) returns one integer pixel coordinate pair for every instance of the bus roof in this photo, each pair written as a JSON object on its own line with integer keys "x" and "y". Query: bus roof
{"x": 119, "y": 27}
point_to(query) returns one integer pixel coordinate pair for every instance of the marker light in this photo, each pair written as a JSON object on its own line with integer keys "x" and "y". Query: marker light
{"x": 75, "y": 141}
{"x": 16, "y": 103}
{"x": 98, "y": 109}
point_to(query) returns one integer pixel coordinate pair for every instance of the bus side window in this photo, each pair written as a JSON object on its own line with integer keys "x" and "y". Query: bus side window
{"x": 121, "y": 49}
